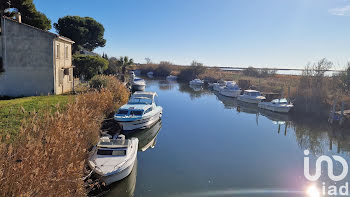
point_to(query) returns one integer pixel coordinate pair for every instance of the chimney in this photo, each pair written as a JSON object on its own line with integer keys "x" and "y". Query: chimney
{"x": 18, "y": 17}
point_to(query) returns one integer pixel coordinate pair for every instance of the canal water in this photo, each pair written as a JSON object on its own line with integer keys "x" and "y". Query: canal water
{"x": 211, "y": 145}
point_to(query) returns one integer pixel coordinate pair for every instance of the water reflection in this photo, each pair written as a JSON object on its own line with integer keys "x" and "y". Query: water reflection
{"x": 212, "y": 145}
{"x": 125, "y": 187}
{"x": 147, "y": 137}
{"x": 166, "y": 85}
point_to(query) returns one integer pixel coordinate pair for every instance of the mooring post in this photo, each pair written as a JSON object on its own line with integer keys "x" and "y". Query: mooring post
{"x": 288, "y": 94}
{"x": 341, "y": 119}
{"x": 331, "y": 116}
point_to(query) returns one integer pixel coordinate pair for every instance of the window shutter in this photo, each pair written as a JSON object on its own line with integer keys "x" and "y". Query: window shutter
{"x": 60, "y": 76}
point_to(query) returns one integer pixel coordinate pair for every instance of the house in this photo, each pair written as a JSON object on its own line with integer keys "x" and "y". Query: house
{"x": 35, "y": 62}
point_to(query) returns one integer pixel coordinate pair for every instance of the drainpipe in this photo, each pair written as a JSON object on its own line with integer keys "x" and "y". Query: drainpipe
{"x": 54, "y": 67}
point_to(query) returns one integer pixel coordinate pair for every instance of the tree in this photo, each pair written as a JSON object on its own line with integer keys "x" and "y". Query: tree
{"x": 28, "y": 11}
{"x": 86, "y": 32}
{"x": 89, "y": 66}
{"x": 124, "y": 62}
{"x": 113, "y": 67}
{"x": 148, "y": 60}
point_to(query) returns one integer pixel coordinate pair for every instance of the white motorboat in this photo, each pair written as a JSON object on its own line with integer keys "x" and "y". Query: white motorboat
{"x": 150, "y": 74}
{"x": 171, "y": 77}
{"x": 197, "y": 82}
{"x": 276, "y": 105}
{"x": 251, "y": 96}
{"x": 141, "y": 112}
{"x": 231, "y": 90}
{"x": 219, "y": 85}
{"x": 138, "y": 84}
{"x": 196, "y": 88}
{"x": 114, "y": 159}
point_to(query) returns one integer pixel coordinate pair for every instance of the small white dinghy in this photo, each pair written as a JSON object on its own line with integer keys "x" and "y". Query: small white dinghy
{"x": 113, "y": 159}
{"x": 276, "y": 105}
{"x": 196, "y": 82}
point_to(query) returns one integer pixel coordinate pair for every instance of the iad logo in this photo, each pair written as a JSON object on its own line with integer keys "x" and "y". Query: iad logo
{"x": 329, "y": 161}
{"x": 332, "y": 189}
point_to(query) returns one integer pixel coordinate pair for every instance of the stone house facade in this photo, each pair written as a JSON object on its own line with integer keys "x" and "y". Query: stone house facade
{"x": 35, "y": 62}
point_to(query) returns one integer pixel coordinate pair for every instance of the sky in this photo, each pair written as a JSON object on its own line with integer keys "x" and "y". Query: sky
{"x": 242, "y": 33}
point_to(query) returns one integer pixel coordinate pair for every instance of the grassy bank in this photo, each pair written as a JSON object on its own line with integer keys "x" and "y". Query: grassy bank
{"x": 48, "y": 156}
{"x": 13, "y": 111}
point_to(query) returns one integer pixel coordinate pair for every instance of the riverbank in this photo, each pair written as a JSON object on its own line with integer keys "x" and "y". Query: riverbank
{"x": 50, "y": 149}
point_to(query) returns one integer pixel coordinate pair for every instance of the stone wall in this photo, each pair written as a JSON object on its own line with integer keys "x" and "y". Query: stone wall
{"x": 28, "y": 60}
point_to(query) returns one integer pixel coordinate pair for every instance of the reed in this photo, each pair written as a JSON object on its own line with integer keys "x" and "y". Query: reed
{"x": 49, "y": 155}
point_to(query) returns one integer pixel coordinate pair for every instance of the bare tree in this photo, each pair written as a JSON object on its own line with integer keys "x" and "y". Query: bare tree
{"x": 148, "y": 60}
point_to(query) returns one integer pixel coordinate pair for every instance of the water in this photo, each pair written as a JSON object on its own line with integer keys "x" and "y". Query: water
{"x": 210, "y": 145}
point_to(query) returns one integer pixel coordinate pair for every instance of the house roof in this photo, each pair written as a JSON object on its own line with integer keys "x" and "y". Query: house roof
{"x": 55, "y": 35}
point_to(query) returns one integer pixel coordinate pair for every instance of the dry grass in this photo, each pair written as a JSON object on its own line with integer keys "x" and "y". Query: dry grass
{"x": 48, "y": 157}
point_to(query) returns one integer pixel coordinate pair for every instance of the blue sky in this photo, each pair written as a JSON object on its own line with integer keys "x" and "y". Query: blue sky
{"x": 261, "y": 33}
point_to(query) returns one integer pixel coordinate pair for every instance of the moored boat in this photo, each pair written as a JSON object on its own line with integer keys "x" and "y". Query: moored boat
{"x": 113, "y": 159}
{"x": 197, "y": 82}
{"x": 276, "y": 105}
{"x": 138, "y": 84}
{"x": 171, "y": 77}
{"x": 231, "y": 90}
{"x": 150, "y": 74}
{"x": 141, "y": 112}
{"x": 251, "y": 96}
{"x": 219, "y": 85}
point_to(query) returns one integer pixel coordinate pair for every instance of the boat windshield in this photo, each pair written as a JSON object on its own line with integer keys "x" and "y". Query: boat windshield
{"x": 253, "y": 93}
{"x": 123, "y": 112}
{"x": 136, "y": 113}
{"x": 115, "y": 152}
{"x": 140, "y": 101}
{"x": 280, "y": 101}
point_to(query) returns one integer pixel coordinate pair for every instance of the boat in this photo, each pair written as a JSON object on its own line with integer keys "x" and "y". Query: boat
{"x": 219, "y": 85}
{"x": 140, "y": 112}
{"x": 276, "y": 105}
{"x": 138, "y": 84}
{"x": 113, "y": 159}
{"x": 197, "y": 82}
{"x": 251, "y": 96}
{"x": 231, "y": 90}
{"x": 150, "y": 74}
{"x": 196, "y": 88}
{"x": 171, "y": 77}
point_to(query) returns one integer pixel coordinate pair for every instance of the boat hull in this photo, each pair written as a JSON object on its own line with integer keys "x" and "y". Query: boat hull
{"x": 230, "y": 93}
{"x": 138, "y": 87}
{"x": 249, "y": 100}
{"x": 118, "y": 176}
{"x": 144, "y": 123}
{"x": 280, "y": 109}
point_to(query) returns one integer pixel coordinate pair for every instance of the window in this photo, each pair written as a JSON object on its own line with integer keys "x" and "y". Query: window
{"x": 66, "y": 52}
{"x": 148, "y": 110}
{"x": 115, "y": 152}
{"x": 123, "y": 112}
{"x": 60, "y": 76}
{"x": 58, "y": 51}
{"x": 136, "y": 113}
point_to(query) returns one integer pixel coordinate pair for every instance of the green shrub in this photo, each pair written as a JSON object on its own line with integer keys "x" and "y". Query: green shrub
{"x": 192, "y": 71}
{"x": 88, "y": 66}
